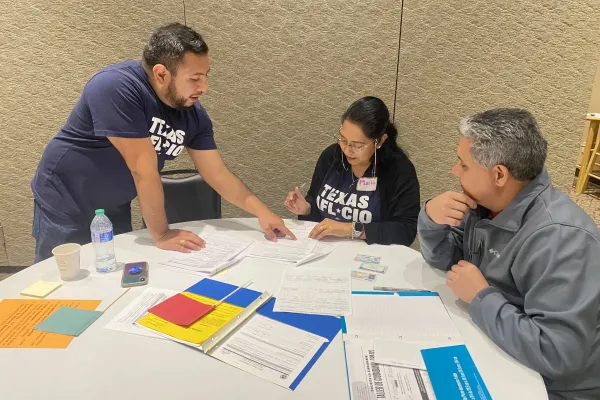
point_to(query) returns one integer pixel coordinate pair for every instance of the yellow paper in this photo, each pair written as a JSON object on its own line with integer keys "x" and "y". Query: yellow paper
{"x": 200, "y": 330}
{"x": 19, "y": 317}
{"x": 41, "y": 289}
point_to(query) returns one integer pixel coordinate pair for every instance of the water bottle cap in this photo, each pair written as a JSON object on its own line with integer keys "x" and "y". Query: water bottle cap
{"x": 100, "y": 211}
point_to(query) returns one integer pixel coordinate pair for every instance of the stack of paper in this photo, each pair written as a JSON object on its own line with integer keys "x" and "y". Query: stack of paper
{"x": 368, "y": 379}
{"x": 220, "y": 252}
{"x": 384, "y": 338}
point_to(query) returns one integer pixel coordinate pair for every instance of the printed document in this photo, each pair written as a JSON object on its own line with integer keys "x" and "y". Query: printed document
{"x": 125, "y": 320}
{"x": 324, "y": 291}
{"x": 269, "y": 349}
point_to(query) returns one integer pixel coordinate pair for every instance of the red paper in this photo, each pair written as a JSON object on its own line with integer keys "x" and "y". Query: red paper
{"x": 180, "y": 310}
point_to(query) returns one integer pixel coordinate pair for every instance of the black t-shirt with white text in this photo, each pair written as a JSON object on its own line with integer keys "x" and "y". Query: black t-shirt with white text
{"x": 340, "y": 200}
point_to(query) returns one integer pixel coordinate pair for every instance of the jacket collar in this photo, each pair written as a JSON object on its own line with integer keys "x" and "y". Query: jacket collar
{"x": 511, "y": 218}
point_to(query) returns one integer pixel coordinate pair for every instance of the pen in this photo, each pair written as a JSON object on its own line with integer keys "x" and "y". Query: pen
{"x": 391, "y": 289}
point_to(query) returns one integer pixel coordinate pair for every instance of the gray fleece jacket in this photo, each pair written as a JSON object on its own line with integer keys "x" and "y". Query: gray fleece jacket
{"x": 541, "y": 257}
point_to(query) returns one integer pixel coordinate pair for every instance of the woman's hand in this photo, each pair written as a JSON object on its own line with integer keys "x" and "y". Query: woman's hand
{"x": 296, "y": 203}
{"x": 329, "y": 227}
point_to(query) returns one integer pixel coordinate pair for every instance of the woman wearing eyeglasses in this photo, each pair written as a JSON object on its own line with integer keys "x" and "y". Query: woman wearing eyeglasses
{"x": 364, "y": 186}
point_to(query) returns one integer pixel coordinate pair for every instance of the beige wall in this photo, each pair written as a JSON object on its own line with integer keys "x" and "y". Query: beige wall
{"x": 49, "y": 50}
{"x": 595, "y": 108}
{"x": 283, "y": 72}
{"x": 458, "y": 57}
{"x": 595, "y": 97}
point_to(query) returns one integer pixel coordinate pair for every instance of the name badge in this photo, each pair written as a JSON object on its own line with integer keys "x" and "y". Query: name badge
{"x": 367, "y": 184}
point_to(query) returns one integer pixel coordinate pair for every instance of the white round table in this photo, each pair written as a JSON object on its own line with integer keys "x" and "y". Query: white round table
{"x": 105, "y": 364}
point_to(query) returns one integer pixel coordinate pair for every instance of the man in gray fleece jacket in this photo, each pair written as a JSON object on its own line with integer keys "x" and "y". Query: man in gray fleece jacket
{"x": 522, "y": 255}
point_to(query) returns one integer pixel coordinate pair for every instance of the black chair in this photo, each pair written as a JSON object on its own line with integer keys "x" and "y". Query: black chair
{"x": 189, "y": 198}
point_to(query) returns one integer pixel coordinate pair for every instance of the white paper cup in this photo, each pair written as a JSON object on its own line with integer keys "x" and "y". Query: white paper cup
{"x": 67, "y": 260}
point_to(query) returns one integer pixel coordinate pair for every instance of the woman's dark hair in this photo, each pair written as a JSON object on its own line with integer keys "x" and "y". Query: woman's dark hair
{"x": 168, "y": 45}
{"x": 373, "y": 117}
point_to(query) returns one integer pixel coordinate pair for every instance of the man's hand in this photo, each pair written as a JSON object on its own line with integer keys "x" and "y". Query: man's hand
{"x": 274, "y": 226}
{"x": 329, "y": 227}
{"x": 449, "y": 208}
{"x": 180, "y": 240}
{"x": 466, "y": 280}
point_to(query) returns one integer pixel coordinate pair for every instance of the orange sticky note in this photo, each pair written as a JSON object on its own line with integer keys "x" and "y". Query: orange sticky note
{"x": 19, "y": 317}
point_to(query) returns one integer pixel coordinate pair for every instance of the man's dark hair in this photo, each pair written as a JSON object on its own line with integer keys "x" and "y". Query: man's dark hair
{"x": 168, "y": 45}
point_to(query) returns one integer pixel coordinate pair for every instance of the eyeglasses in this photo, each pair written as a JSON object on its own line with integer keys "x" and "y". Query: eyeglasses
{"x": 351, "y": 146}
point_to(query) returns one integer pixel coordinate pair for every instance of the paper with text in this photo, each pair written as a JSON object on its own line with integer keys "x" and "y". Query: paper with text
{"x": 285, "y": 249}
{"x": 368, "y": 380}
{"x": 270, "y": 350}
{"x": 220, "y": 252}
{"x": 125, "y": 320}
{"x": 307, "y": 290}
{"x": 19, "y": 317}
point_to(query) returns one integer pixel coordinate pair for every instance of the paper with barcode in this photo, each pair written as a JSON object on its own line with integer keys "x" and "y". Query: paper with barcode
{"x": 371, "y": 381}
{"x": 269, "y": 349}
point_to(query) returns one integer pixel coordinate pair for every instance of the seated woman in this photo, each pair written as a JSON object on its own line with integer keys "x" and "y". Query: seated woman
{"x": 364, "y": 186}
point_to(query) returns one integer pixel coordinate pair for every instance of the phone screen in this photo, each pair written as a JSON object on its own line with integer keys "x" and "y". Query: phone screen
{"x": 135, "y": 274}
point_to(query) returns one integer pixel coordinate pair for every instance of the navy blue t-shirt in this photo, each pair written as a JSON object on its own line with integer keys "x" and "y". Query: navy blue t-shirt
{"x": 340, "y": 200}
{"x": 81, "y": 171}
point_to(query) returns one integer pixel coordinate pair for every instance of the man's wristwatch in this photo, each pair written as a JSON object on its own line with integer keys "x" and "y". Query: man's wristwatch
{"x": 357, "y": 229}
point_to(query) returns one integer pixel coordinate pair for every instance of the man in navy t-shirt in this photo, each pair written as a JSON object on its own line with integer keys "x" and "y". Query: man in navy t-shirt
{"x": 130, "y": 119}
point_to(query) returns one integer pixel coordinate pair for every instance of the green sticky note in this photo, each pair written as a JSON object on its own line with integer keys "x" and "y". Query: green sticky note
{"x": 68, "y": 321}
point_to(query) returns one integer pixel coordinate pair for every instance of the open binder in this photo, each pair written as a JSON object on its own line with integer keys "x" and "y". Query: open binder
{"x": 249, "y": 306}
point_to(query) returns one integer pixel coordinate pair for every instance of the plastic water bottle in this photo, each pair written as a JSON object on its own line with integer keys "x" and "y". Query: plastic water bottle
{"x": 102, "y": 239}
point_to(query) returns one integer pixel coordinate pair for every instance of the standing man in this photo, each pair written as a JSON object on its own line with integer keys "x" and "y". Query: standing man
{"x": 131, "y": 118}
{"x": 522, "y": 255}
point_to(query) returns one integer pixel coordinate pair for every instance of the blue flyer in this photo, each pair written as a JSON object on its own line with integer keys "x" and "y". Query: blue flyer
{"x": 453, "y": 374}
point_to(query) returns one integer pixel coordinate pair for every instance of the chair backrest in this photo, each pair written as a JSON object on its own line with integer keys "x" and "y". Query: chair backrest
{"x": 189, "y": 198}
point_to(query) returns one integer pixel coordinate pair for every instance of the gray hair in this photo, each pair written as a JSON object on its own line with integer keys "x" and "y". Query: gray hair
{"x": 509, "y": 137}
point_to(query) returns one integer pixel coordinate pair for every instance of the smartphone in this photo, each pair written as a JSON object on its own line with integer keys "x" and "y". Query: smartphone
{"x": 135, "y": 274}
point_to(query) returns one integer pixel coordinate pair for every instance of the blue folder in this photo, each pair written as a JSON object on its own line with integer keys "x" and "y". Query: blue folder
{"x": 322, "y": 325}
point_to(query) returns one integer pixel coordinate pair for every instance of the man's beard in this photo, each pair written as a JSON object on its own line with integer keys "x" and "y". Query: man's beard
{"x": 171, "y": 96}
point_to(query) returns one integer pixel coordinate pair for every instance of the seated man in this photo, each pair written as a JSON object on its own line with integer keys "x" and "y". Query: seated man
{"x": 522, "y": 255}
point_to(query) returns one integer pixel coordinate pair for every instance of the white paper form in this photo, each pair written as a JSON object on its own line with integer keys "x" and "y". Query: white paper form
{"x": 322, "y": 249}
{"x": 406, "y": 318}
{"x": 368, "y": 380}
{"x": 306, "y": 290}
{"x": 124, "y": 321}
{"x": 402, "y": 353}
{"x": 285, "y": 249}
{"x": 219, "y": 253}
{"x": 269, "y": 349}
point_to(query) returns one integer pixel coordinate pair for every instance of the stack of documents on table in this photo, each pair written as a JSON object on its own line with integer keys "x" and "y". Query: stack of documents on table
{"x": 244, "y": 332}
{"x": 384, "y": 339}
{"x": 220, "y": 252}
